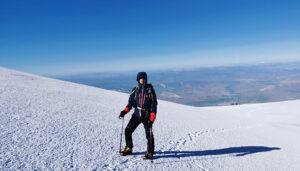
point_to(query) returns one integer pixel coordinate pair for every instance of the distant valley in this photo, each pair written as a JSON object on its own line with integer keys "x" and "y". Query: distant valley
{"x": 214, "y": 86}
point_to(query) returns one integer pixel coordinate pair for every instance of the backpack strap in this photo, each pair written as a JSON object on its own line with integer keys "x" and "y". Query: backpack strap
{"x": 149, "y": 89}
{"x": 135, "y": 92}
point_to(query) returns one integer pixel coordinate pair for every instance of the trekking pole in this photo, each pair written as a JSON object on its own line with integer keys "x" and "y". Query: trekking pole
{"x": 121, "y": 135}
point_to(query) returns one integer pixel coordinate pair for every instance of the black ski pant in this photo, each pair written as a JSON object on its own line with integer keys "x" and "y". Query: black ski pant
{"x": 133, "y": 123}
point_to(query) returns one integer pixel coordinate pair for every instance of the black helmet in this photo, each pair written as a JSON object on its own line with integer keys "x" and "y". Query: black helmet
{"x": 141, "y": 75}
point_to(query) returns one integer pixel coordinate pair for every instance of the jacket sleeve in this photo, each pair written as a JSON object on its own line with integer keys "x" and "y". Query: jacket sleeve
{"x": 131, "y": 99}
{"x": 154, "y": 102}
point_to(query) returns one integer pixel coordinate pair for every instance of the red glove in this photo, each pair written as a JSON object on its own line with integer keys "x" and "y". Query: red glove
{"x": 152, "y": 117}
{"x": 127, "y": 109}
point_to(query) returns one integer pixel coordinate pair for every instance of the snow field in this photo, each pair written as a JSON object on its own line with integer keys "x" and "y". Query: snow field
{"x": 47, "y": 124}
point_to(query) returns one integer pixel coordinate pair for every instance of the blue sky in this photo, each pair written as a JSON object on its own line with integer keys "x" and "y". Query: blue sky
{"x": 63, "y": 37}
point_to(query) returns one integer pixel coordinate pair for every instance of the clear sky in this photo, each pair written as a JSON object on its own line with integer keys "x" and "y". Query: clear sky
{"x": 63, "y": 37}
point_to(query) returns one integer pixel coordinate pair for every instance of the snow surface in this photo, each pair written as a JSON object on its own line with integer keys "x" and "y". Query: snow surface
{"x": 47, "y": 124}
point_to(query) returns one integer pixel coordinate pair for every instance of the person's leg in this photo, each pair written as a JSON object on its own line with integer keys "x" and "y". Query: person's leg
{"x": 149, "y": 136}
{"x": 131, "y": 126}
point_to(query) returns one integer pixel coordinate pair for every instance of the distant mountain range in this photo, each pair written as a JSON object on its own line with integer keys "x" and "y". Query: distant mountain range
{"x": 210, "y": 86}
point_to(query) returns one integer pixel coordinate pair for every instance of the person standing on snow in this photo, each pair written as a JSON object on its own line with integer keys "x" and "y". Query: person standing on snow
{"x": 143, "y": 99}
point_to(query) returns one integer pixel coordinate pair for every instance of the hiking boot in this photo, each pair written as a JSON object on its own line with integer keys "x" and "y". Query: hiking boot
{"x": 126, "y": 151}
{"x": 148, "y": 156}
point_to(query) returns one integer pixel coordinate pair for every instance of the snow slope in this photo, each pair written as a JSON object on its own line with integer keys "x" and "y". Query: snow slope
{"x": 51, "y": 124}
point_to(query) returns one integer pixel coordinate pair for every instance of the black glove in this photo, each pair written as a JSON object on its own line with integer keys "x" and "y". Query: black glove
{"x": 122, "y": 114}
{"x": 149, "y": 123}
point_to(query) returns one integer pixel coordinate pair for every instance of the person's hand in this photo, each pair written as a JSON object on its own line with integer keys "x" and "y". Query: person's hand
{"x": 124, "y": 112}
{"x": 152, "y": 117}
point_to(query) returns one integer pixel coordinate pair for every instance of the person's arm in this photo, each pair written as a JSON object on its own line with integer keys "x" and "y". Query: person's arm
{"x": 153, "y": 106}
{"x": 130, "y": 100}
{"x": 129, "y": 105}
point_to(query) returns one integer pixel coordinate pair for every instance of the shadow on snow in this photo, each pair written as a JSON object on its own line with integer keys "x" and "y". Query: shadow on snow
{"x": 236, "y": 151}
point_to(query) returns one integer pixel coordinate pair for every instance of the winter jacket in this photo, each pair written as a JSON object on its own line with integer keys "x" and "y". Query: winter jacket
{"x": 143, "y": 97}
